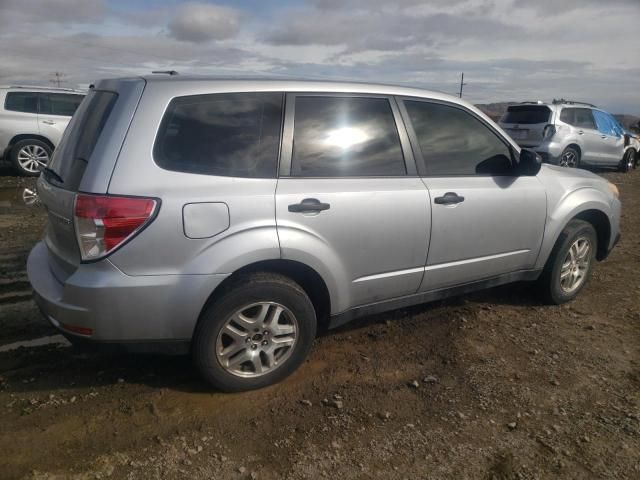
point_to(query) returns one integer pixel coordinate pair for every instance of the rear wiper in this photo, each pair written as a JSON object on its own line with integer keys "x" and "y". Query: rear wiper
{"x": 53, "y": 173}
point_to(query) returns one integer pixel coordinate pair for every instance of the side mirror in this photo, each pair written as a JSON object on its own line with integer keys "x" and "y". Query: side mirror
{"x": 529, "y": 163}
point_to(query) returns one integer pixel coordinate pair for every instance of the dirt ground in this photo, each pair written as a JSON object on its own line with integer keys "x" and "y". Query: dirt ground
{"x": 505, "y": 387}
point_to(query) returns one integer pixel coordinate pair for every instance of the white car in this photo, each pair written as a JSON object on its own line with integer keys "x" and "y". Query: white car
{"x": 32, "y": 120}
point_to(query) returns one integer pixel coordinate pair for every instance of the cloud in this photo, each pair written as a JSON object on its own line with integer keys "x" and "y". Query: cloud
{"x": 200, "y": 22}
{"x": 26, "y": 13}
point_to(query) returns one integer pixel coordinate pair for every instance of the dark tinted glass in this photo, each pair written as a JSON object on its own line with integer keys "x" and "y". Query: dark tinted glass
{"x": 59, "y": 103}
{"x": 568, "y": 115}
{"x": 583, "y": 118}
{"x": 453, "y": 142}
{"x": 526, "y": 114}
{"x": 230, "y": 134}
{"x": 22, "y": 102}
{"x": 344, "y": 137}
{"x": 72, "y": 155}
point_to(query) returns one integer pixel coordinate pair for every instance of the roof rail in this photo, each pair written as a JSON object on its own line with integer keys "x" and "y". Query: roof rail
{"x": 561, "y": 101}
{"x": 165, "y": 72}
{"x": 37, "y": 87}
{"x": 537, "y": 102}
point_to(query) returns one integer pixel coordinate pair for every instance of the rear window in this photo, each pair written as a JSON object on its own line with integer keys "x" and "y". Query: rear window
{"x": 527, "y": 114}
{"x": 26, "y": 102}
{"x": 228, "y": 134}
{"x": 72, "y": 156}
{"x": 63, "y": 104}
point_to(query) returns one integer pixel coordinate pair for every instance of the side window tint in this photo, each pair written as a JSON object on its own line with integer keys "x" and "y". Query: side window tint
{"x": 584, "y": 118}
{"x": 26, "y": 102}
{"x": 228, "y": 134}
{"x": 568, "y": 115}
{"x": 59, "y": 103}
{"x": 344, "y": 137}
{"x": 453, "y": 142}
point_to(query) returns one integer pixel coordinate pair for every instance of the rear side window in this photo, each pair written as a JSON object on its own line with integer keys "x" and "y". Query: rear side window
{"x": 578, "y": 117}
{"x": 527, "y": 114}
{"x": 72, "y": 155}
{"x": 228, "y": 134}
{"x": 453, "y": 142}
{"x": 345, "y": 137}
{"x": 59, "y": 103}
{"x": 26, "y": 102}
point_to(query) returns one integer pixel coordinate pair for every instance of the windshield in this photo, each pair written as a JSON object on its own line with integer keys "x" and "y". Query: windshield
{"x": 73, "y": 154}
{"x": 527, "y": 114}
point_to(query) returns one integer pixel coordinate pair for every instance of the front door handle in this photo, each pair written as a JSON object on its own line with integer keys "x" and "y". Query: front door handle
{"x": 580, "y": 132}
{"x": 309, "y": 205}
{"x": 449, "y": 198}
{"x": 49, "y": 122}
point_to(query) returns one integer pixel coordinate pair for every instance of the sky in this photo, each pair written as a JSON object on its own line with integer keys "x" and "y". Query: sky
{"x": 509, "y": 50}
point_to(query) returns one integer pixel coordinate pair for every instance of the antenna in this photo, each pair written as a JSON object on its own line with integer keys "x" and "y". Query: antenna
{"x": 59, "y": 77}
{"x": 462, "y": 84}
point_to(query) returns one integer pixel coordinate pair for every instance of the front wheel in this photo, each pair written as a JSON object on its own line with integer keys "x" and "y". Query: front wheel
{"x": 628, "y": 162}
{"x": 570, "y": 158}
{"x": 570, "y": 263}
{"x": 255, "y": 334}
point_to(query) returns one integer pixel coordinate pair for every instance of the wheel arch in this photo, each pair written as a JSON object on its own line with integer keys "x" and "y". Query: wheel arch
{"x": 308, "y": 278}
{"x": 602, "y": 226}
{"x": 29, "y": 136}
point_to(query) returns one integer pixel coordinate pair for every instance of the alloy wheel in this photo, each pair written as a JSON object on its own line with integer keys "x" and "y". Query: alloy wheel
{"x": 569, "y": 159}
{"x": 257, "y": 339}
{"x": 575, "y": 265}
{"x": 31, "y": 157}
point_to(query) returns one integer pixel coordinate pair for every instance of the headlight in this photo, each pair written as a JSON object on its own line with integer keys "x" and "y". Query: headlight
{"x": 613, "y": 189}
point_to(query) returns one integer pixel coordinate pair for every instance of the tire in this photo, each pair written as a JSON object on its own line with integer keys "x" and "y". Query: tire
{"x": 556, "y": 290}
{"x": 27, "y": 155}
{"x": 628, "y": 161}
{"x": 570, "y": 158}
{"x": 229, "y": 349}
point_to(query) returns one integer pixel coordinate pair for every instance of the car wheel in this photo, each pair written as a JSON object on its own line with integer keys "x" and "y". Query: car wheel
{"x": 570, "y": 158}
{"x": 256, "y": 333}
{"x": 29, "y": 155}
{"x": 570, "y": 263}
{"x": 628, "y": 162}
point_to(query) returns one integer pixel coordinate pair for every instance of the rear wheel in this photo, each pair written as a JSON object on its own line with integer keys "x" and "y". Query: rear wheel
{"x": 570, "y": 158}
{"x": 29, "y": 156}
{"x": 255, "y": 334}
{"x": 570, "y": 263}
{"x": 628, "y": 162}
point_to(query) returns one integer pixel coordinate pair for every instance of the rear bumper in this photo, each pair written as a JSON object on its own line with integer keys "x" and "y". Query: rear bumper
{"x": 99, "y": 303}
{"x": 550, "y": 152}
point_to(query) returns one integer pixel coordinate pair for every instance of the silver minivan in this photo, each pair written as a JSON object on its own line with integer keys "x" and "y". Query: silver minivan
{"x": 234, "y": 218}
{"x": 32, "y": 121}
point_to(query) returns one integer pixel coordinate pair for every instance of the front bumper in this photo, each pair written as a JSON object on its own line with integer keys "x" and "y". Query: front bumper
{"x": 119, "y": 308}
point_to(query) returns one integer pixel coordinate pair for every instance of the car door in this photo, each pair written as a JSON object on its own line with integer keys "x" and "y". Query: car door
{"x": 349, "y": 202}
{"x": 611, "y": 144}
{"x": 486, "y": 221}
{"x": 588, "y": 136}
{"x": 54, "y": 112}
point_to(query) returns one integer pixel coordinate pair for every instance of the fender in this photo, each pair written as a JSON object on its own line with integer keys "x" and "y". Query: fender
{"x": 565, "y": 209}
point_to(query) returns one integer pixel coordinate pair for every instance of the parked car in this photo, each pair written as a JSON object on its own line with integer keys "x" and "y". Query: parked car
{"x": 32, "y": 120}
{"x": 567, "y": 133}
{"x": 234, "y": 218}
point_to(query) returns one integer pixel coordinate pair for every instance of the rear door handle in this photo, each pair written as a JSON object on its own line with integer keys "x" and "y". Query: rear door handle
{"x": 580, "y": 132}
{"x": 48, "y": 122}
{"x": 449, "y": 198}
{"x": 309, "y": 205}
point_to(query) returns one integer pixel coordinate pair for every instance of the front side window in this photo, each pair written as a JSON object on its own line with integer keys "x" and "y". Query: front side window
{"x": 453, "y": 142}
{"x": 345, "y": 137}
{"x": 226, "y": 134}
{"x": 604, "y": 123}
{"x": 26, "y": 102}
{"x": 63, "y": 104}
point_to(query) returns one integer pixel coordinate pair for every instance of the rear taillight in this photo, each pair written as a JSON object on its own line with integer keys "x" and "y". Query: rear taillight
{"x": 103, "y": 222}
{"x": 549, "y": 131}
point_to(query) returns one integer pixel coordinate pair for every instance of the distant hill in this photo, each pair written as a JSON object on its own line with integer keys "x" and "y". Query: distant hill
{"x": 497, "y": 109}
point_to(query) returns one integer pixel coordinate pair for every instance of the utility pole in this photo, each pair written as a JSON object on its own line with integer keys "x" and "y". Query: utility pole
{"x": 59, "y": 77}
{"x": 462, "y": 84}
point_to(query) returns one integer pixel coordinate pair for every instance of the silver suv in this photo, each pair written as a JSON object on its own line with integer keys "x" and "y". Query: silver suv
{"x": 234, "y": 218}
{"x": 32, "y": 120}
{"x": 570, "y": 134}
